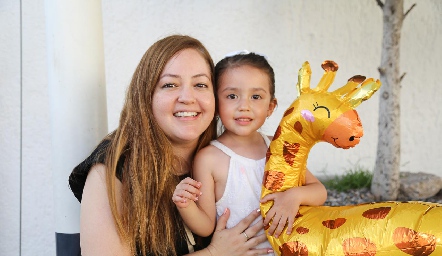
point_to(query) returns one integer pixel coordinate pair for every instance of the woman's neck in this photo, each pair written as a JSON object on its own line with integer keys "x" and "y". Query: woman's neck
{"x": 184, "y": 155}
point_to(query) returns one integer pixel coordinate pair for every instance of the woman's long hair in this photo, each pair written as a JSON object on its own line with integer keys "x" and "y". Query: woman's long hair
{"x": 148, "y": 219}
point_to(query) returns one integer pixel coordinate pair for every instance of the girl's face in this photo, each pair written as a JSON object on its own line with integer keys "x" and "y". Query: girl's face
{"x": 244, "y": 99}
{"x": 183, "y": 100}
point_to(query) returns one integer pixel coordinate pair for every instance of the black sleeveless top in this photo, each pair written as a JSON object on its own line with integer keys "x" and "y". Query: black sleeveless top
{"x": 77, "y": 180}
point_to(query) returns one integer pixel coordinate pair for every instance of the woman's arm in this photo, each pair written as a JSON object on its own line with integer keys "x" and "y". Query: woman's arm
{"x": 98, "y": 233}
{"x": 232, "y": 241}
{"x": 286, "y": 204}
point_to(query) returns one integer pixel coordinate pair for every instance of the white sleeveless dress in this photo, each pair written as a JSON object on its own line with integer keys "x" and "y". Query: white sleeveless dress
{"x": 243, "y": 187}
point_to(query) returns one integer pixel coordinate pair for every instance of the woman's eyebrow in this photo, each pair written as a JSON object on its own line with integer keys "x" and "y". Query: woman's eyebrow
{"x": 200, "y": 75}
{"x": 178, "y": 76}
{"x": 169, "y": 75}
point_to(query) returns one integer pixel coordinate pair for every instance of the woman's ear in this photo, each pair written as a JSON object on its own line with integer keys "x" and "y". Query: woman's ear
{"x": 272, "y": 106}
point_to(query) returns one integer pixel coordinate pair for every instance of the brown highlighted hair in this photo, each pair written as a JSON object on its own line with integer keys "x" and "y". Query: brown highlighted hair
{"x": 147, "y": 219}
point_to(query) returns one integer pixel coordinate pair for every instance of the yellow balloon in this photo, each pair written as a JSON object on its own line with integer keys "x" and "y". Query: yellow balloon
{"x": 385, "y": 228}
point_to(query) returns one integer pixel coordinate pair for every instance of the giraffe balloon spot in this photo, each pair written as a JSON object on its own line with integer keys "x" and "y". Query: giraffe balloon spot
{"x": 334, "y": 224}
{"x": 273, "y": 180}
{"x": 266, "y": 226}
{"x": 358, "y": 246}
{"x": 414, "y": 243}
{"x": 302, "y": 230}
{"x": 298, "y": 127}
{"x": 268, "y": 155}
{"x": 293, "y": 249}
{"x": 289, "y": 152}
{"x": 288, "y": 111}
{"x": 377, "y": 213}
{"x": 277, "y": 133}
{"x": 308, "y": 115}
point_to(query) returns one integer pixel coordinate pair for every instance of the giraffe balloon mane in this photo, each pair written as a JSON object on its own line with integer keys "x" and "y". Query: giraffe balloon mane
{"x": 383, "y": 228}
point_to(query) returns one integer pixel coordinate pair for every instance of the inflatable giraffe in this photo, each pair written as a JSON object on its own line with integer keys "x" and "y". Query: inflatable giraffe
{"x": 384, "y": 228}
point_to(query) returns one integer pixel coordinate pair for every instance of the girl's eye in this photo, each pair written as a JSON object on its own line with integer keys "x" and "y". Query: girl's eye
{"x": 232, "y": 96}
{"x": 168, "y": 85}
{"x": 256, "y": 97}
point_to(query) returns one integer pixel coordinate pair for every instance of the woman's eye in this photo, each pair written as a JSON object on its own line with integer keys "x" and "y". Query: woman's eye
{"x": 232, "y": 96}
{"x": 256, "y": 97}
{"x": 168, "y": 85}
{"x": 202, "y": 86}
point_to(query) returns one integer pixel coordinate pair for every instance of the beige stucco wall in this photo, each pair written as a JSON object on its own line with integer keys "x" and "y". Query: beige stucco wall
{"x": 288, "y": 32}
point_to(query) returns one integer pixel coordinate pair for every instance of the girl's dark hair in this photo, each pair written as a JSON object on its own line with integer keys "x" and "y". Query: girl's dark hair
{"x": 251, "y": 59}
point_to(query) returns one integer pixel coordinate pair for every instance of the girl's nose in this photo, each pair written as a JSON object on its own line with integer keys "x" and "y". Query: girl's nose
{"x": 186, "y": 95}
{"x": 244, "y": 105}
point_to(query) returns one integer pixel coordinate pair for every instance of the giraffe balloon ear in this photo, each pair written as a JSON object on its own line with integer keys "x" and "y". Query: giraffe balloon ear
{"x": 363, "y": 93}
{"x": 304, "y": 75}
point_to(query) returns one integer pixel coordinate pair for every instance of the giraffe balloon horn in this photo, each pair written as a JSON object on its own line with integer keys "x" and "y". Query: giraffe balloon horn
{"x": 318, "y": 115}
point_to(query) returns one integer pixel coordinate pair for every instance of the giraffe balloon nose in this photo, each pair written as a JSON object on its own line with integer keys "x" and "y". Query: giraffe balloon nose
{"x": 344, "y": 132}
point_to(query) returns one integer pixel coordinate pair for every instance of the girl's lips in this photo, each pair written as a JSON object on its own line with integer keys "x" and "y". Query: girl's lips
{"x": 243, "y": 119}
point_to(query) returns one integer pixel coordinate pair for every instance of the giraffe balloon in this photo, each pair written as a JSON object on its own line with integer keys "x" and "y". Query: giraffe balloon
{"x": 383, "y": 228}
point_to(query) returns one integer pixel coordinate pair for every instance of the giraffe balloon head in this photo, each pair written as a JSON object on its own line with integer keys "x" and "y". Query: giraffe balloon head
{"x": 329, "y": 116}
{"x": 316, "y": 115}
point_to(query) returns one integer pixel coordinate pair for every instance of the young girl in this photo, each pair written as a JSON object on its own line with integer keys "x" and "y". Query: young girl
{"x": 229, "y": 172}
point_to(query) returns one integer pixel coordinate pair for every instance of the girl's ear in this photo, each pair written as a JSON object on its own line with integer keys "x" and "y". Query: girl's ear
{"x": 272, "y": 106}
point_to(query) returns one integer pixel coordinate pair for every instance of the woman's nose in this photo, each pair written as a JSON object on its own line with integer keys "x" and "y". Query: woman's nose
{"x": 187, "y": 95}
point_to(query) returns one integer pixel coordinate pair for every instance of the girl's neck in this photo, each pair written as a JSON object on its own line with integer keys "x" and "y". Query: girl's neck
{"x": 251, "y": 146}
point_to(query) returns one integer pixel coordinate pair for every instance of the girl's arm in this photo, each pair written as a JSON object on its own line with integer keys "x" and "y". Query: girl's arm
{"x": 286, "y": 204}
{"x": 198, "y": 210}
{"x": 99, "y": 235}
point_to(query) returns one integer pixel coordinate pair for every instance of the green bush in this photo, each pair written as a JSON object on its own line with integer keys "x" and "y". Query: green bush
{"x": 352, "y": 179}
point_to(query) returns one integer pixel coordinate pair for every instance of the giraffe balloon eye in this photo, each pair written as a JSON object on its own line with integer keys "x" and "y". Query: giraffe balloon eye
{"x": 318, "y": 107}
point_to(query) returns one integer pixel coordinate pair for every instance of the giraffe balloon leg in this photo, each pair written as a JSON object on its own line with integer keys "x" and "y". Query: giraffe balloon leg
{"x": 384, "y": 228}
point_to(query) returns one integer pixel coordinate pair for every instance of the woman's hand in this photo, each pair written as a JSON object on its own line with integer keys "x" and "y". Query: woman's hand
{"x": 284, "y": 210}
{"x": 240, "y": 239}
{"x": 186, "y": 190}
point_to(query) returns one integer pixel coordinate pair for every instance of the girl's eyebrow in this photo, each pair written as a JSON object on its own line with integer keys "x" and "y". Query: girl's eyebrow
{"x": 236, "y": 89}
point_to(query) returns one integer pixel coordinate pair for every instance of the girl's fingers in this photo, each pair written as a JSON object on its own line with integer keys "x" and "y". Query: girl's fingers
{"x": 290, "y": 223}
{"x": 280, "y": 227}
{"x": 270, "y": 215}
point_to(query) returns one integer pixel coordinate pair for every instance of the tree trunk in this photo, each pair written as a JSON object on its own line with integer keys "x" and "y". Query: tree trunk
{"x": 385, "y": 183}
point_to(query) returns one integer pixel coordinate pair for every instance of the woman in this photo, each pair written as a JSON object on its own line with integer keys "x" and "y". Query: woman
{"x": 125, "y": 186}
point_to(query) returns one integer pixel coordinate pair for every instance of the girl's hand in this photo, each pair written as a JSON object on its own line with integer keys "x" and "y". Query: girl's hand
{"x": 187, "y": 190}
{"x": 283, "y": 212}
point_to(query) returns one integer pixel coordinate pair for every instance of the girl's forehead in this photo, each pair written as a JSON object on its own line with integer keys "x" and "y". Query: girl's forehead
{"x": 244, "y": 76}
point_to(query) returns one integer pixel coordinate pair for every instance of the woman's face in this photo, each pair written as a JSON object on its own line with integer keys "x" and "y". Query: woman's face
{"x": 183, "y": 100}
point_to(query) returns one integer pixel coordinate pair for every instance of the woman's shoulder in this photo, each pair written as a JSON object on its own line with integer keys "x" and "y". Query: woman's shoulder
{"x": 77, "y": 178}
